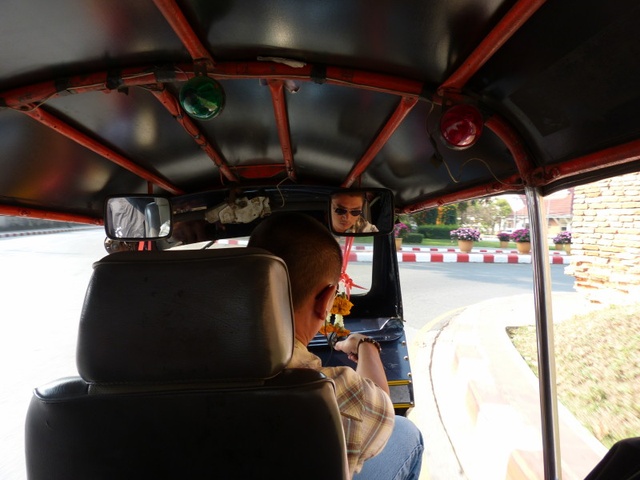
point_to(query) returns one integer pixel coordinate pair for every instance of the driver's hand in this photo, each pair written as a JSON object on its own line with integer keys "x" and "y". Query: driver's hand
{"x": 350, "y": 346}
{"x": 189, "y": 232}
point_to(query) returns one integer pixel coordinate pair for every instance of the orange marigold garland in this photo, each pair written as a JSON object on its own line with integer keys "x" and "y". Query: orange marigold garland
{"x": 335, "y": 320}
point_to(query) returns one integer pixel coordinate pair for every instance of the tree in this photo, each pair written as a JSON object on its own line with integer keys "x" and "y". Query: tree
{"x": 462, "y": 208}
{"x": 484, "y": 213}
{"x": 504, "y": 209}
{"x": 430, "y": 217}
{"x": 449, "y": 215}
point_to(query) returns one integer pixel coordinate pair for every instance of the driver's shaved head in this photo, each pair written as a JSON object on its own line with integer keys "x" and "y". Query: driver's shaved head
{"x": 312, "y": 255}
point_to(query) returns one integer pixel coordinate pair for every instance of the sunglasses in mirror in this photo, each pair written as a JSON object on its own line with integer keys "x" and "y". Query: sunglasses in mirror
{"x": 343, "y": 211}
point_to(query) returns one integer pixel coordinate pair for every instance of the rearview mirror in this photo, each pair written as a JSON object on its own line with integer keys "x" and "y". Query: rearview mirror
{"x": 359, "y": 212}
{"x": 137, "y": 217}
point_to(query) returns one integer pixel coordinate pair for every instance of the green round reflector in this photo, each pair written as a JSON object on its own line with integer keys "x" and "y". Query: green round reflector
{"x": 202, "y": 97}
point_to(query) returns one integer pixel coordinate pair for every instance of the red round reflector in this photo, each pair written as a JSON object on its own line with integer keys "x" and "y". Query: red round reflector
{"x": 461, "y": 126}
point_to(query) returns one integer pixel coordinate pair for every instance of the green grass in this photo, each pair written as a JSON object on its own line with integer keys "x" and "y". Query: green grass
{"x": 450, "y": 243}
{"x": 430, "y": 242}
{"x": 598, "y": 369}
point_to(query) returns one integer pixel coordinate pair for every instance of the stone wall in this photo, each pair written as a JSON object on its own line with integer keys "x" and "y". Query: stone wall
{"x": 606, "y": 240}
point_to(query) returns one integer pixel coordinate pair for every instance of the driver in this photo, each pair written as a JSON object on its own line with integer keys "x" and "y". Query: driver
{"x": 346, "y": 213}
{"x": 380, "y": 444}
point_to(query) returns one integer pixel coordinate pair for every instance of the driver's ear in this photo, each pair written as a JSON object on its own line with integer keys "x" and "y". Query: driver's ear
{"x": 324, "y": 301}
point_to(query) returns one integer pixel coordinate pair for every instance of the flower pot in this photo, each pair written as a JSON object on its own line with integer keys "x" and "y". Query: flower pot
{"x": 465, "y": 246}
{"x": 567, "y": 247}
{"x": 398, "y": 244}
{"x": 504, "y": 244}
{"x": 559, "y": 246}
{"x": 523, "y": 247}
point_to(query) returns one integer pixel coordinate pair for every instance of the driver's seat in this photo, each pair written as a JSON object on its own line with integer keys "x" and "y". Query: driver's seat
{"x": 182, "y": 361}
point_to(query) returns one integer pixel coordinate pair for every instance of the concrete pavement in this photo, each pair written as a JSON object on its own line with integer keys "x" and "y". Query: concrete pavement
{"x": 483, "y": 397}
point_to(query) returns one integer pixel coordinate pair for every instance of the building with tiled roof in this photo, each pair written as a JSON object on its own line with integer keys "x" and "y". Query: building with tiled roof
{"x": 559, "y": 208}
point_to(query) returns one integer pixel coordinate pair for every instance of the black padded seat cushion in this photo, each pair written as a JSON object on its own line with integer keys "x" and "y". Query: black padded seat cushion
{"x": 183, "y": 316}
{"x": 288, "y": 428}
{"x": 182, "y": 360}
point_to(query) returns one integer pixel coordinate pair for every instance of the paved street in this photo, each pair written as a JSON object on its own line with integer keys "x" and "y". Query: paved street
{"x": 40, "y": 312}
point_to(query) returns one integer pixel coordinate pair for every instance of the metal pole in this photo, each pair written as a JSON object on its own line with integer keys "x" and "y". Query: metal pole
{"x": 544, "y": 329}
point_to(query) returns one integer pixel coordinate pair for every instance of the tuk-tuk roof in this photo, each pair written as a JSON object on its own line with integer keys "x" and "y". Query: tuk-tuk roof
{"x": 328, "y": 92}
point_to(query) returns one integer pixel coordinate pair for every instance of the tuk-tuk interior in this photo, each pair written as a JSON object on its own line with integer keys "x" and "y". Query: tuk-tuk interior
{"x": 202, "y": 220}
{"x": 436, "y": 102}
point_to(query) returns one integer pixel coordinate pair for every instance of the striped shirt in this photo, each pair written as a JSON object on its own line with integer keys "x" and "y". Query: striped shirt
{"x": 366, "y": 410}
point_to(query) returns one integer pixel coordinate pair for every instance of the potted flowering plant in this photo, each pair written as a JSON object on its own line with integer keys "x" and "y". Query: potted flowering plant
{"x": 471, "y": 234}
{"x": 562, "y": 238}
{"x": 465, "y": 237}
{"x": 504, "y": 238}
{"x": 522, "y": 238}
{"x": 400, "y": 230}
{"x": 563, "y": 241}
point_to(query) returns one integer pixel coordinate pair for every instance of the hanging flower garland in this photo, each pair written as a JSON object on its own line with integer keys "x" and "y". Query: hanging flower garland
{"x": 334, "y": 323}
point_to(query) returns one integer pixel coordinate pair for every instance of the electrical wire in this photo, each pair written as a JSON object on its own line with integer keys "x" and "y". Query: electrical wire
{"x": 30, "y": 107}
{"x": 440, "y": 157}
{"x": 280, "y": 192}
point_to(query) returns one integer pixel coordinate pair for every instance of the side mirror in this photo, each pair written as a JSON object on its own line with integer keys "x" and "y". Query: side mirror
{"x": 137, "y": 217}
{"x": 361, "y": 212}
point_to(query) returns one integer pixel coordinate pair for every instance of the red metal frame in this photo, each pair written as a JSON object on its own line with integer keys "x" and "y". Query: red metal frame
{"x": 282, "y": 122}
{"x": 509, "y": 184}
{"x": 174, "y": 15}
{"x": 24, "y": 98}
{"x": 172, "y": 104}
{"x": 86, "y": 141}
{"x": 401, "y": 111}
{"x": 618, "y": 155}
{"x": 514, "y": 143}
{"x": 506, "y": 27}
{"x": 539, "y": 177}
{"x": 27, "y": 99}
{"x": 47, "y": 215}
{"x": 516, "y": 17}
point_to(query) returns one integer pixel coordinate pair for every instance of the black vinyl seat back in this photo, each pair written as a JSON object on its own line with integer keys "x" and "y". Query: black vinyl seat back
{"x": 182, "y": 359}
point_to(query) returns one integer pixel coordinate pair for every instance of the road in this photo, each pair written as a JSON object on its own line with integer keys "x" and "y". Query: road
{"x": 44, "y": 279}
{"x": 432, "y": 293}
{"x": 42, "y": 288}
{"x": 431, "y": 290}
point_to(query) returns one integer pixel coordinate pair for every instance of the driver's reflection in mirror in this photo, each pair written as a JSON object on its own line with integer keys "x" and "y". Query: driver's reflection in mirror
{"x": 347, "y": 210}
